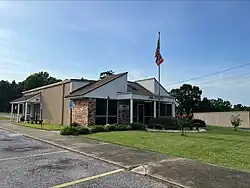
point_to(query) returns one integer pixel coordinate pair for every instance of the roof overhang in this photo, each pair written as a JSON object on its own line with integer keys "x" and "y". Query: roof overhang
{"x": 129, "y": 95}
{"x": 30, "y": 98}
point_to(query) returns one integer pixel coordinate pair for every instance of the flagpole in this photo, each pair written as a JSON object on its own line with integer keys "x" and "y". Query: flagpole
{"x": 159, "y": 80}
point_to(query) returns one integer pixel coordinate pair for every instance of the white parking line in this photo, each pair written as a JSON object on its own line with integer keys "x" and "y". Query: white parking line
{"x": 36, "y": 155}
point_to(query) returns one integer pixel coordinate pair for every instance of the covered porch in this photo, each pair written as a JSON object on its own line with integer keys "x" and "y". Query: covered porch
{"x": 26, "y": 108}
{"x": 142, "y": 108}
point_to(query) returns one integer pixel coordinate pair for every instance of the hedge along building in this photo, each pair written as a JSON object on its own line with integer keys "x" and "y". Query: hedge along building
{"x": 113, "y": 99}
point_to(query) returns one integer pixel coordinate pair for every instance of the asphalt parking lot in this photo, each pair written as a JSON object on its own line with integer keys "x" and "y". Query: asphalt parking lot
{"x": 29, "y": 163}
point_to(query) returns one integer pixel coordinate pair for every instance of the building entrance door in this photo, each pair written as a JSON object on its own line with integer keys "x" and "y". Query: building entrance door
{"x": 140, "y": 117}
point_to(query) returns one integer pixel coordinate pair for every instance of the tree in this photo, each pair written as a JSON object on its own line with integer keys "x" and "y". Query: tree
{"x": 236, "y": 121}
{"x": 10, "y": 91}
{"x": 205, "y": 105}
{"x": 188, "y": 97}
{"x": 37, "y": 80}
{"x": 219, "y": 105}
{"x": 240, "y": 107}
{"x": 106, "y": 73}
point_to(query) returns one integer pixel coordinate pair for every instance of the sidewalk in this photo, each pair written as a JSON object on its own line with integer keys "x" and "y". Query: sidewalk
{"x": 125, "y": 157}
{"x": 175, "y": 171}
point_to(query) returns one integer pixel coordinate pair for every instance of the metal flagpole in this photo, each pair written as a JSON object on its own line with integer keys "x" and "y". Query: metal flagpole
{"x": 159, "y": 80}
{"x": 159, "y": 100}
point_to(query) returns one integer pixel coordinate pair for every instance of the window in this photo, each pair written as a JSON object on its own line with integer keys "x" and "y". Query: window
{"x": 100, "y": 120}
{"x": 148, "y": 107}
{"x": 112, "y": 107}
{"x": 101, "y": 106}
{"x": 169, "y": 109}
{"x": 112, "y": 120}
{"x": 101, "y": 109}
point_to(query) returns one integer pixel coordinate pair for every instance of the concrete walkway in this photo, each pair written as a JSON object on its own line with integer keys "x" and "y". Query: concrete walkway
{"x": 177, "y": 172}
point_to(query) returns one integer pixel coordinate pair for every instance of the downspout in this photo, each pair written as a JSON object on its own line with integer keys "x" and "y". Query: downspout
{"x": 62, "y": 103}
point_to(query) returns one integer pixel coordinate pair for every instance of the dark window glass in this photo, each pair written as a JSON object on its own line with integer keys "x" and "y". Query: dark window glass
{"x": 112, "y": 107}
{"x": 163, "y": 109}
{"x": 101, "y": 105}
{"x": 100, "y": 120}
{"x": 127, "y": 102}
{"x": 169, "y": 110}
{"x": 148, "y": 107}
{"x": 135, "y": 108}
{"x": 147, "y": 120}
{"x": 112, "y": 120}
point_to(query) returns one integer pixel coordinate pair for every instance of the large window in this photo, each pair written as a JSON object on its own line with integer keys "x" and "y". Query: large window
{"x": 101, "y": 111}
{"x": 166, "y": 109}
{"x": 101, "y": 107}
{"x": 112, "y": 108}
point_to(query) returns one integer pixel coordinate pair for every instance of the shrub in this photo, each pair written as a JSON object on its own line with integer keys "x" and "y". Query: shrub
{"x": 75, "y": 131}
{"x": 109, "y": 127}
{"x": 129, "y": 127}
{"x": 236, "y": 121}
{"x": 83, "y": 130}
{"x": 121, "y": 128}
{"x": 168, "y": 123}
{"x": 198, "y": 122}
{"x": 97, "y": 128}
{"x": 137, "y": 126}
{"x": 69, "y": 131}
{"x": 74, "y": 124}
{"x": 158, "y": 126}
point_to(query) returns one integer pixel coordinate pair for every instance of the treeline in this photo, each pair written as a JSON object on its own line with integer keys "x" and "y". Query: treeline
{"x": 187, "y": 96}
{"x": 12, "y": 90}
{"x": 189, "y": 99}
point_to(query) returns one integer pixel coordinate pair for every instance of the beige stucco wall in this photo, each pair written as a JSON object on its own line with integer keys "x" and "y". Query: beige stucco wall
{"x": 66, "y": 105}
{"x": 52, "y": 104}
{"x": 223, "y": 118}
{"x": 55, "y": 106}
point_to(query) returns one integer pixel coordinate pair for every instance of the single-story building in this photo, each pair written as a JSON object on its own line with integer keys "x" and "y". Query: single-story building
{"x": 110, "y": 100}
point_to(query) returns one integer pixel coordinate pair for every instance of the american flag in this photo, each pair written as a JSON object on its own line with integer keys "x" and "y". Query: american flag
{"x": 158, "y": 58}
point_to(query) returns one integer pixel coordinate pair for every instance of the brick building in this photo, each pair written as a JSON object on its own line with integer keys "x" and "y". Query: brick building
{"x": 110, "y": 100}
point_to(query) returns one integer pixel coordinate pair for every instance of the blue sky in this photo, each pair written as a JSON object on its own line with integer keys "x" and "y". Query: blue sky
{"x": 77, "y": 39}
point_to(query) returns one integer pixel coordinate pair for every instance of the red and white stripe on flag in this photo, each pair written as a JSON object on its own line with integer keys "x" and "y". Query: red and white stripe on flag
{"x": 158, "y": 58}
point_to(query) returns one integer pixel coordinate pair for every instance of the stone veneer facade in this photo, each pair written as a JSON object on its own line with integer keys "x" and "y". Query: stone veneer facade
{"x": 84, "y": 111}
{"x": 123, "y": 114}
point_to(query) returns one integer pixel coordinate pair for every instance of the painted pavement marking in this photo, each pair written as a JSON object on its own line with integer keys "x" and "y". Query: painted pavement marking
{"x": 87, "y": 179}
{"x": 36, "y": 155}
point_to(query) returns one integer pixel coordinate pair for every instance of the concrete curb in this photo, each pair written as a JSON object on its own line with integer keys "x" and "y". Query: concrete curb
{"x": 128, "y": 168}
{"x": 168, "y": 182}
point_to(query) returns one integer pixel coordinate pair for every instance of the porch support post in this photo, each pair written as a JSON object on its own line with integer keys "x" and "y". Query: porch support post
{"x": 131, "y": 110}
{"x": 31, "y": 110}
{"x": 154, "y": 109}
{"x": 23, "y": 109}
{"x": 11, "y": 112}
{"x": 173, "y": 109}
{"x": 26, "y": 109}
{"x": 18, "y": 110}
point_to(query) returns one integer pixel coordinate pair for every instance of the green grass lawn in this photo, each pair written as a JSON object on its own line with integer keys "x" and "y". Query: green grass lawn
{"x": 4, "y": 118}
{"x": 48, "y": 127}
{"x": 4, "y": 113}
{"x": 220, "y": 146}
